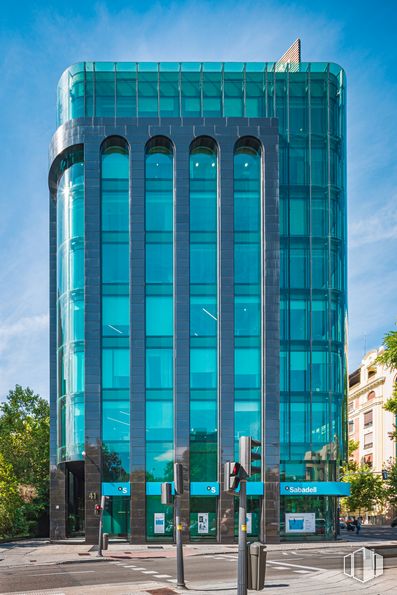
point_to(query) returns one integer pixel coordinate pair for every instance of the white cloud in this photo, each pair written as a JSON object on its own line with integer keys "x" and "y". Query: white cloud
{"x": 23, "y": 326}
{"x": 376, "y": 225}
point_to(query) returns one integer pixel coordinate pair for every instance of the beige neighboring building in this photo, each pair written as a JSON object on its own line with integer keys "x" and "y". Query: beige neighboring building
{"x": 370, "y": 386}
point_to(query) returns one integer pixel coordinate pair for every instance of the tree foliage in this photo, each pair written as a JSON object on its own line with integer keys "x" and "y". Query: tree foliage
{"x": 11, "y": 504}
{"x": 24, "y": 445}
{"x": 388, "y": 358}
{"x": 367, "y": 489}
{"x": 391, "y": 482}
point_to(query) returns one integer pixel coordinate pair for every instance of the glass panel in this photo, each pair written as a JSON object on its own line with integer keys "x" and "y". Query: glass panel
{"x": 115, "y": 316}
{"x": 105, "y": 94}
{"x": 116, "y": 420}
{"x": 159, "y": 263}
{"x": 247, "y": 368}
{"x": 299, "y": 316}
{"x": 299, "y": 374}
{"x": 203, "y": 263}
{"x": 115, "y": 263}
{"x": 169, "y": 94}
{"x": 247, "y": 315}
{"x": 115, "y": 368}
{"x": 203, "y": 316}
{"x": 158, "y": 368}
{"x": 159, "y": 316}
{"x": 148, "y": 94}
{"x": 203, "y": 366}
{"x": 212, "y": 94}
{"x": 191, "y": 94}
{"x": 126, "y": 94}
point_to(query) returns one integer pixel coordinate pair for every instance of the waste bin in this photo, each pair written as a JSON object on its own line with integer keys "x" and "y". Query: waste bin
{"x": 256, "y": 566}
{"x": 105, "y": 541}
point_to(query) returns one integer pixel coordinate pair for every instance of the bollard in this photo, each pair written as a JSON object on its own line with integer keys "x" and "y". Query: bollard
{"x": 105, "y": 541}
{"x": 258, "y": 565}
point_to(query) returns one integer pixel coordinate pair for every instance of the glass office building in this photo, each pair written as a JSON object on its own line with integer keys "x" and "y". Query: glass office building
{"x": 197, "y": 294}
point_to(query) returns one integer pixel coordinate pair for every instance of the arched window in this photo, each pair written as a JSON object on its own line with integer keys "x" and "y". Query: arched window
{"x": 159, "y": 327}
{"x": 247, "y": 287}
{"x": 115, "y": 174}
{"x": 371, "y": 395}
{"x": 203, "y": 180}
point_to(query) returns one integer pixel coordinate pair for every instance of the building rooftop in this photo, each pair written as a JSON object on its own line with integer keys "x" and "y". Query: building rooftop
{"x": 191, "y": 89}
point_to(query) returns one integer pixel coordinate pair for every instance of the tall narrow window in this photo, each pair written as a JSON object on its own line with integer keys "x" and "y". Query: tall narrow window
{"x": 203, "y": 310}
{"x": 115, "y": 310}
{"x": 70, "y": 307}
{"x": 247, "y": 289}
{"x": 159, "y": 166}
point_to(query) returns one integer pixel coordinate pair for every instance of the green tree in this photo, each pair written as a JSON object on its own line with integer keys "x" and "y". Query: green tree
{"x": 367, "y": 489}
{"x": 351, "y": 448}
{"x": 24, "y": 444}
{"x": 11, "y": 504}
{"x": 391, "y": 482}
{"x": 389, "y": 359}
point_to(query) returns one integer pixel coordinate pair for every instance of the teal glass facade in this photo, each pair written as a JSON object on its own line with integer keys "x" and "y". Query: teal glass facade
{"x": 115, "y": 310}
{"x": 70, "y": 307}
{"x": 182, "y": 297}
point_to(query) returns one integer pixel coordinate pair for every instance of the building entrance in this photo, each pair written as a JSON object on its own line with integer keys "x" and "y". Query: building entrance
{"x": 75, "y": 499}
{"x": 116, "y": 517}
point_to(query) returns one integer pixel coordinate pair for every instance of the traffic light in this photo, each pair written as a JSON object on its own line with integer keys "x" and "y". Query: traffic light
{"x": 234, "y": 473}
{"x": 249, "y": 454}
{"x": 166, "y": 493}
{"x": 178, "y": 478}
{"x": 98, "y": 509}
{"x": 385, "y": 474}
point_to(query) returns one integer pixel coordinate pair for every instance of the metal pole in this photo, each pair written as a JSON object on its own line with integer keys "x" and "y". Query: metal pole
{"x": 180, "y": 574}
{"x": 101, "y": 526}
{"x": 242, "y": 541}
{"x": 337, "y": 532}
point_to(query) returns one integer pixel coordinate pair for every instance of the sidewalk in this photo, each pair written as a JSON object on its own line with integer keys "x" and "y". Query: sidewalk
{"x": 37, "y": 552}
{"x": 329, "y": 582}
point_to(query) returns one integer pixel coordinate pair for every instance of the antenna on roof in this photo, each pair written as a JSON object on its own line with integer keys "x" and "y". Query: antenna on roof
{"x": 293, "y": 54}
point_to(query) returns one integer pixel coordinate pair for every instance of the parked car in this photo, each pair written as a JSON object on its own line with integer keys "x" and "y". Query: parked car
{"x": 394, "y": 522}
{"x": 350, "y": 524}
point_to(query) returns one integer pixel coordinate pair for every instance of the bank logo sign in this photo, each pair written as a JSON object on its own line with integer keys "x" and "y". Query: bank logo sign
{"x": 299, "y": 490}
{"x": 314, "y": 488}
{"x": 363, "y": 565}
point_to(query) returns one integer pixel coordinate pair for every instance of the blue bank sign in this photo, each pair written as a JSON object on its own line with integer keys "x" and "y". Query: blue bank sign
{"x": 315, "y": 488}
{"x": 116, "y": 489}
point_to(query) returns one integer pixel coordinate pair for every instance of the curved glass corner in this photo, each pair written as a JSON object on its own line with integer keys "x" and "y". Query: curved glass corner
{"x": 70, "y": 307}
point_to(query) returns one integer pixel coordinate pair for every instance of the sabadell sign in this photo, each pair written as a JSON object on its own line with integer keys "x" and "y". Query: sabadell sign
{"x": 299, "y": 490}
{"x": 315, "y": 488}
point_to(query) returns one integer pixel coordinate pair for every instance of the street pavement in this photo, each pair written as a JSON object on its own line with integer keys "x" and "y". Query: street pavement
{"x": 41, "y": 568}
{"x": 298, "y": 570}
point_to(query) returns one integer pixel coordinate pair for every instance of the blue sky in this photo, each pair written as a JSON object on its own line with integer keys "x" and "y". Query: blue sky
{"x": 40, "y": 39}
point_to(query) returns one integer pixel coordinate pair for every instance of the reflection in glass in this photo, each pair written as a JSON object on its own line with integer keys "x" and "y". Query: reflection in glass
{"x": 115, "y": 303}
{"x": 203, "y": 166}
{"x": 159, "y": 196}
{"x": 247, "y": 282}
{"x": 70, "y": 306}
